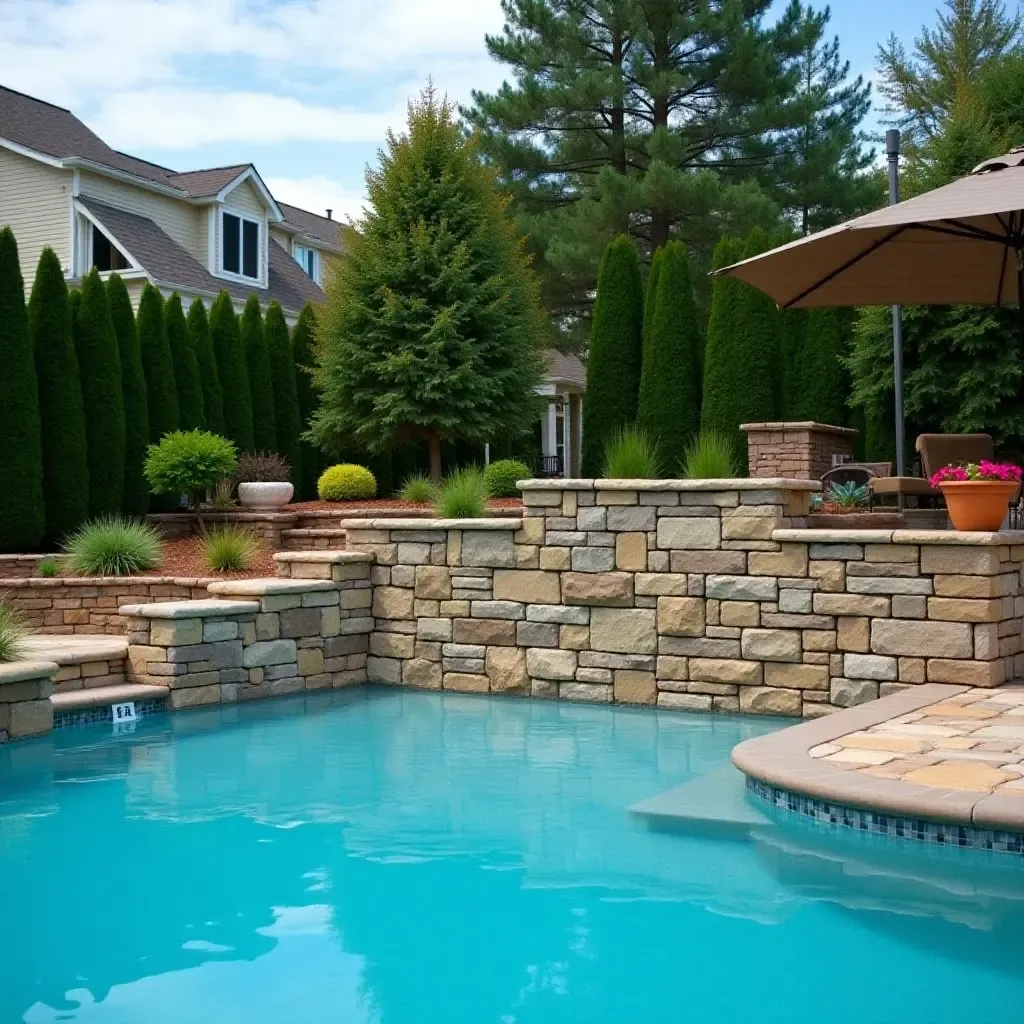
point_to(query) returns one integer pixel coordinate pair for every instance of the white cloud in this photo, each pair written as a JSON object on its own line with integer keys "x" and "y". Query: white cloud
{"x": 318, "y": 194}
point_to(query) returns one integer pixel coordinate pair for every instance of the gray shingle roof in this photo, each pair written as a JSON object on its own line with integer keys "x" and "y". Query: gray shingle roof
{"x": 169, "y": 264}
{"x": 567, "y": 368}
{"x": 330, "y": 231}
{"x": 206, "y": 182}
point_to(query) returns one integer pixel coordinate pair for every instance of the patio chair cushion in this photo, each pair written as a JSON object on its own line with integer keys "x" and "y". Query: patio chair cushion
{"x": 914, "y": 486}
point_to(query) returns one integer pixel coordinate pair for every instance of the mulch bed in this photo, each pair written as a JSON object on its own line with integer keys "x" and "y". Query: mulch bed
{"x": 494, "y": 505}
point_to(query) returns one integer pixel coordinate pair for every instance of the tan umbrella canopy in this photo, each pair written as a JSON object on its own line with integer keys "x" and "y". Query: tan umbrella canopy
{"x": 959, "y": 244}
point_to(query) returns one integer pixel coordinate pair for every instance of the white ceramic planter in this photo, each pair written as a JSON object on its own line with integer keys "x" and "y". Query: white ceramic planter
{"x": 265, "y": 496}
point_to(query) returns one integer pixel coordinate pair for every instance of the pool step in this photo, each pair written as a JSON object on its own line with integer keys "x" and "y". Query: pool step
{"x": 85, "y": 661}
{"x": 101, "y": 696}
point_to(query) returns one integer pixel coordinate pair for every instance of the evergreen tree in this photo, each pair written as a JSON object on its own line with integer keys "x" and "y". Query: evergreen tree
{"x": 22, "y": 512}
{"x": 763, "y": 336}
{"x": 311, "y": 458}
{"x": 202, "y": 346}
{"x": 99, "y": 369}
{"x": 261, "y": 387}
{"x": 286, "y": 401}
{"x": 819, "y": 384}
{"x": 650, "y": 295}
{"x": 670, "y": 382}
{"x": 616, "y": 352}
{"x": 65, "y": 470}
{"x": 189, "y": 386}
{"x": 231, "y": 371}
{"x": 432, "y": 321}
{"x": 133, "y": 390}
{"x": 157, "y": 365}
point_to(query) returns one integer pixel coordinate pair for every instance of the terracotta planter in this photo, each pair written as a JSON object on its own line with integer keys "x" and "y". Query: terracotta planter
{"x": 265, "y": 496}
{"x": 978, "y": 504}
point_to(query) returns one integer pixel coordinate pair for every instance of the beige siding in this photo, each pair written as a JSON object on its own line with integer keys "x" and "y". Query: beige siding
{"x": 204, "y": 233}
{"x": 135, "y": 292}
{"x": 175, "y": 216}
{"x": 35, "y": 200}
{"x": 246, "y": 199}
{"x": 282, "y": 238}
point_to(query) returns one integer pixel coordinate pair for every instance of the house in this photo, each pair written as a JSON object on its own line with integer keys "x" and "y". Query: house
{"x": 561, "y": 425}
{"x": 195, "y": 233}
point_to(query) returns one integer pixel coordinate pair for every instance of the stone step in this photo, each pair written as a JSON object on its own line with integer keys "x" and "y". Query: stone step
{"x": 313, "y": 539}
{"x": 100, "y": 696}
{"x": 84, "y": 661}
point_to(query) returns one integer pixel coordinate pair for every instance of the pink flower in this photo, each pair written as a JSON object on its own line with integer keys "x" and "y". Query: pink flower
{"x": 984, "y": 470}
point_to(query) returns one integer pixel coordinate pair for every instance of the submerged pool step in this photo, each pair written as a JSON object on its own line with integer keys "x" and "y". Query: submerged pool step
{"x": 103, "y": 696}
{"x": 84, "y": 661}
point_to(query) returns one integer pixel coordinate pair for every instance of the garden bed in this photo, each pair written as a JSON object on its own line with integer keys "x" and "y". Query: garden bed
{"x": 388, "y": 506}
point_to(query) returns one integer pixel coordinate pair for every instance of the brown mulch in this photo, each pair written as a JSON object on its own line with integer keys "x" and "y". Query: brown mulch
{"x": 495, "y": 504}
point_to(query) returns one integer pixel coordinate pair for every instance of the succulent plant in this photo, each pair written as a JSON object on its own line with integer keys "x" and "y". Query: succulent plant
{"x": 848, "y": 495}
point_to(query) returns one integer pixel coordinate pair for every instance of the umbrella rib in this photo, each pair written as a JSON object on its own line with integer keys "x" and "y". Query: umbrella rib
{"x": 1002, "y": 275}
{"x": 964, "y": 231}
{"x": 845, "y": 266}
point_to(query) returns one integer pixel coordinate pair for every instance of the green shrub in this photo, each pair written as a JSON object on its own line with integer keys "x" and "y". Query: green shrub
{"x": 711, "y": 455}
{"x": 187, "y": 377}
{"x": 346, "y": 482}
{"x": 13, "y": 632}
{"x": 157, "y": 365}
{"x": 226, "y": 338}
{"x": 501, "y": 477}
{"x": 631, "y": 454}
{"x": 113, "y": 546}
{"x": 286, "y": 401}
{"x": 48, "y": 568}
{"x": 462, "y": 495}
{"x": 261, "y": 386}
{"x": 262, "y": 467}
{"x": 189, "y": 462}
{"x": 202, "y": 345}
{"x": 311, "y": 459}
{"x": 419, "y": 489}
{"x": 230, "y": 548}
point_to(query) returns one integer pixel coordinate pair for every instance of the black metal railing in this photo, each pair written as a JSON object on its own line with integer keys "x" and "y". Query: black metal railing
{"x": 551, "y": 465}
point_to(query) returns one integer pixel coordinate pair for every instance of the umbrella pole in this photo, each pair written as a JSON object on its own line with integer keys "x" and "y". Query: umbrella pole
{"x": 892, "y": 151}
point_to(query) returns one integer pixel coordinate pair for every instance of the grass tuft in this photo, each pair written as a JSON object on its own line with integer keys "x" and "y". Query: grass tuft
{"x": 462, "y": 495}
{"x": 631, "y": 454}
{"x": 230, "y": 548}
{"x": 48, "y": 568}
{"x": 13, "y": 632}
{"x": 113, "y": 546}
{"x": 710, "y": 456}
{"x": 418, "y": 489}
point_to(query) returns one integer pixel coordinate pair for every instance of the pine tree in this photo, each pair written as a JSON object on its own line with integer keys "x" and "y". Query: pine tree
{"x": 157, "y": 365}
{"x": 65, "y": 469}
{"x": 213, "y": 399}
{"x": 311, "y": 459}
{"x": 22, "y": 512}
{"x": 133, "y": 389}
{"x": 616, "y": 352}
{"x": 261, "y": 387}
{"x": 432, "y": 321}
{"x": 286, "y": 401}
{"x": 231, "y": 371}
{"x": 99, "y": 369}
{"x": 189, "y": 386}
{"x": 669, "y": 407}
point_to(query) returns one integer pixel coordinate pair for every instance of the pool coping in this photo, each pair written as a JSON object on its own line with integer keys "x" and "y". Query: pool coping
{"x": 781, "y": 760}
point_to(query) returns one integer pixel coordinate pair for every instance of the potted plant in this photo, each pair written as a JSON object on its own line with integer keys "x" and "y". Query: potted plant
{"x": 263, "y": 482}
{"x": 977, "y": 493}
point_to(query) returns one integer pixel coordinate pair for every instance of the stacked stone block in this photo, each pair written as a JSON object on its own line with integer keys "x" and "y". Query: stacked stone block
{"x": 804, "y": 450}
{"x": 25, "y": 708}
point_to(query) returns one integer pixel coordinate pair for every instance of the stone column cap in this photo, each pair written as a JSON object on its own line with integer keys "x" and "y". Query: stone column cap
{"x": 202, "y": 609}
{"x": 818, "y": 428}
{"x": 269, "y": 585}
{"x": 323, "y": 557}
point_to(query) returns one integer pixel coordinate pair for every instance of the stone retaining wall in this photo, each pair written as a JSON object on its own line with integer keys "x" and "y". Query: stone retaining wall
{"x": 25, "y": 708}
{"x": 700, "y": 595}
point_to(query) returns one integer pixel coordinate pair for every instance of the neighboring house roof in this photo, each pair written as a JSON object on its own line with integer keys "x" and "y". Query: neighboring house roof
{"x": 330, "y": 231}
{"x": 169, "y": 264}
{"x": 566, "y": 369}
{"x": 206, "y": 182}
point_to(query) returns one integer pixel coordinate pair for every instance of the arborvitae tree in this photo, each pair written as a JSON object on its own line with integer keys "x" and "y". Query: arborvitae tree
{"x": 650, "y": 295}
{"x": 286, "y": 401}
{"x": 136, "y": 406}
{"x": 231, "y": 371}
{"x": 202, "y": 346}
{"x": 670, "y": 383}
{"x": 820, "y": 384}
{"x": 433, "y": 320}
{"x": 22, "y": 513}
{"x": 302, "y": 352}
{"x": 261, "y": 387}
{"x": 191, "y": 410}
{"x": 157, "y": 365}
{"x": 99, "y": 369}
{"x": 763, "y": 336}
{"x": 65, "y": 470}
{"x": 616, "y": 352}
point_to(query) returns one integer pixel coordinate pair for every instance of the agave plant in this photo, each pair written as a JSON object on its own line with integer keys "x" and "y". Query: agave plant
{"x": 848, "y": 495}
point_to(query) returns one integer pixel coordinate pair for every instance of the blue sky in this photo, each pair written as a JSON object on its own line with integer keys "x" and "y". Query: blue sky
{"x": 305, "y": 89}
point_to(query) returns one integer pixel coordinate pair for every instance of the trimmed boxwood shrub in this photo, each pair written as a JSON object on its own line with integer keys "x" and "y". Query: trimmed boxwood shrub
{"x": 286, "y": 401}
{"x": 157, "y": 365}
{"x": 261, "y": 390}
{"x": 202, "y": 346}
{"x": 22, "y": 515}
{"x": 65, "y": 471}
{"x": 133, "y": 390}
{"x": 346, "y": 482}
{"x": 234, "y": 378}
{"x": 501, "y": 477}
{"x": 189, "y": 462}
{"x": 191, "y": 409}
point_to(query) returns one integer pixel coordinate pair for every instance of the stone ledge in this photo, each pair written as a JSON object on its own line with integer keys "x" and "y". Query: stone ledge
{"x": 766, "y": 483}
{"x": 833, "y": 536}
{"x": 1000, "y": 538}
{"x": 329, "y": 556}
{"x": 203, "y": 609}
{"x": 77, "y": 648}
{"x": 73, "y": 700}
{"x": 270, "y": 585}
{"x": 20, "y": 671}
{"x": 56, "y": 582}
{"x": 788, "y": 425}
{"x": 431, "y": 524}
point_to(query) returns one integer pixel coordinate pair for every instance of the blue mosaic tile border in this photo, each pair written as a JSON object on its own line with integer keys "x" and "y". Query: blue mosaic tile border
{"x": 103, "y": 713}
{"x": 892, "y": 825}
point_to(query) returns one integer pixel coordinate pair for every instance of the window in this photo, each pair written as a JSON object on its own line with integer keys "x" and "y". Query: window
{"x": 307, "y": 259}
{"x": 240, "y": 251}
{"x": 106, "y": 255}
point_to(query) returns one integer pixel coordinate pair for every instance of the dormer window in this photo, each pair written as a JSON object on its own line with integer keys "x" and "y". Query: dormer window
{"x": 106, "y": 255}
{"x": 309, "y": 260}
{"x": 240, "y": 252}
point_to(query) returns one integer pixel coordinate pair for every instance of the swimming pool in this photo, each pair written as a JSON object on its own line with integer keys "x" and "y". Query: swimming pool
{"x": 399, "y": 857}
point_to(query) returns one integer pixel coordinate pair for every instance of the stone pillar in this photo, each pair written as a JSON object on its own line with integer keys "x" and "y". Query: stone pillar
{"x": 801, "y": 451}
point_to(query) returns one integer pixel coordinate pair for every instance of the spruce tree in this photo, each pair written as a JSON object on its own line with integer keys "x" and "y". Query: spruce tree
{"x": 286, "y": 401}
{"x": 231, "y": 371}
{"x": 191, "y": 410}
{"x": 670, "y": 382}
{"x": 133, "y": 389}
{"x": 65, "y": 469}
{"x": 22, "y": 512}
{"x": 157, "y": 365}
{"x": 312, "y": 459}
{"x": 213, "y": 399}
{"x": 261, "y": 387}
{"x": 616, "y": 352}
{"x": 432, "y": 321}
{"x": 99, "y": 369}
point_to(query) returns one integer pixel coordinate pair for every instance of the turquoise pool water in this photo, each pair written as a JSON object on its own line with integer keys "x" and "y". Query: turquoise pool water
{"x": 410, "y": 858}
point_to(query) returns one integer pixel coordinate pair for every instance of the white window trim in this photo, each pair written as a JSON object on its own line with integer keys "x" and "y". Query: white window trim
{"x": 316, "y": 260}
{"x": 261, "y": 230}
{"x": 81, "y": 255}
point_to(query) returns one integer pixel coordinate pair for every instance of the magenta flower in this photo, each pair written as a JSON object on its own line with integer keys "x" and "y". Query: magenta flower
{"x": 984, "y": 470}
